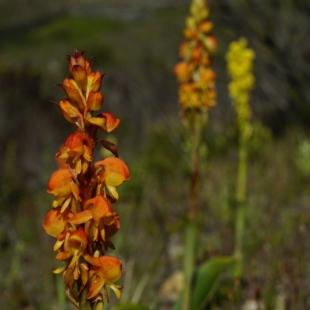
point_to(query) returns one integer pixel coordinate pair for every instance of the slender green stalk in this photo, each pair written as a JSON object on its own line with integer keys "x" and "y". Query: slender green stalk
{"x": 61, "y": 296}
{"x": 191, "y": 237}
{"x": 241, "y": 199}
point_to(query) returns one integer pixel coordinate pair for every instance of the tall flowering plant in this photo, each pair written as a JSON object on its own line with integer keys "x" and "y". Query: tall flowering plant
{"x": 82, "y": 218}
{"x": 240, "y": 66}
{"x": 197, "y": 96}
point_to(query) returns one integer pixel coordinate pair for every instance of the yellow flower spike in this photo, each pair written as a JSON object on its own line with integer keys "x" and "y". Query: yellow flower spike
{"x": 240, "y": 65}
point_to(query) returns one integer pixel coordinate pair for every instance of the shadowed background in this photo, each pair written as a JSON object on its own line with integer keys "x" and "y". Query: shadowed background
{"x": 136, "y": 42}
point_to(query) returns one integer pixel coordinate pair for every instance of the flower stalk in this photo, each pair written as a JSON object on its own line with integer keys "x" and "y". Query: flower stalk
{"x": 82, "y": 218}
{"x": 196, "y": 97}
{"x": 240, "y": 66}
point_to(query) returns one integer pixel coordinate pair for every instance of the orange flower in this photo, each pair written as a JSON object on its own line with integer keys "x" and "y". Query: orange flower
{"x": 183, "y": 72}
{"x": 56, "y": 221}
{"x": 71, "y": 113}
{"x": 109, "y": 272}
{"x": 111, "y": 172}
{"x": 99, "y": 213}
{"x": 75, "y": 248}
{"x": 78, "y": 151}
{"x": 189, "y": 96}
{"x": 106, "y": 122}
{"x": 56, "y": 225}
{"x": 67, "y": 192}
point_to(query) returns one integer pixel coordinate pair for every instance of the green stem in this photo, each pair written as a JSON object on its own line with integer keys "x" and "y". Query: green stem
{"x": 191, "y": 228}
{"x": 241, "y": 200}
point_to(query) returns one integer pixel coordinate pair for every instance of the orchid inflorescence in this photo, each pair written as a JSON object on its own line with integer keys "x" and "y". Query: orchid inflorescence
{"x": 194, "y": 72}
{"x": 82, "y": 218}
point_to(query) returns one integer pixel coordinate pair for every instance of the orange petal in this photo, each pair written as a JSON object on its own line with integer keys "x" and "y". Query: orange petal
{"x": 88, "y": 66}
{"x": 111, "y": 121}
{"x": 77, "y": 241}
{"x": 111, "y": 268}
{"x": 116, "y": 171}
{"x": 94, "y": 101}
{"x": 63, "y": 255}
{"x": 100, "y": 207}
{"x": 76, "y": 59}
{"x": 73, "y": 92}
{"x": 95, "y": 261}
{"x": 69, "y": 109}
{"x": 81, "y": 217}
{"x": 106, "y": 122}
{"x": 55, "y": 222}
{"x": 79, "y": 75}
{"x": 95, "y": 287}
{"x": 94, "y": 81}
{"x": 59, "y": 183}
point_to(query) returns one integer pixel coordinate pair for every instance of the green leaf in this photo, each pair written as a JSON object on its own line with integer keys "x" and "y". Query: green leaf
{"x": 207, "y": 280}
{"x": 130, "y": 307}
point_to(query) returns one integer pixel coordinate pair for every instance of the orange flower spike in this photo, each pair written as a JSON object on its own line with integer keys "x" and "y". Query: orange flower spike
{"x": 61, "y": 184}
{"x": 81, "y": 223}
{"x": 115, "y": 173}
{"x": 106, "y": 275}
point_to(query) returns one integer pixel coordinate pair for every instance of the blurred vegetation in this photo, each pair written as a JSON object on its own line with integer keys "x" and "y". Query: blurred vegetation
{"x": 137, "y": 43}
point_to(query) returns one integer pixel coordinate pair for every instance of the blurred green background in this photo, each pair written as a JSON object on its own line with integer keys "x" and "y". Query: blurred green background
{"x": 136, "y": 42}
